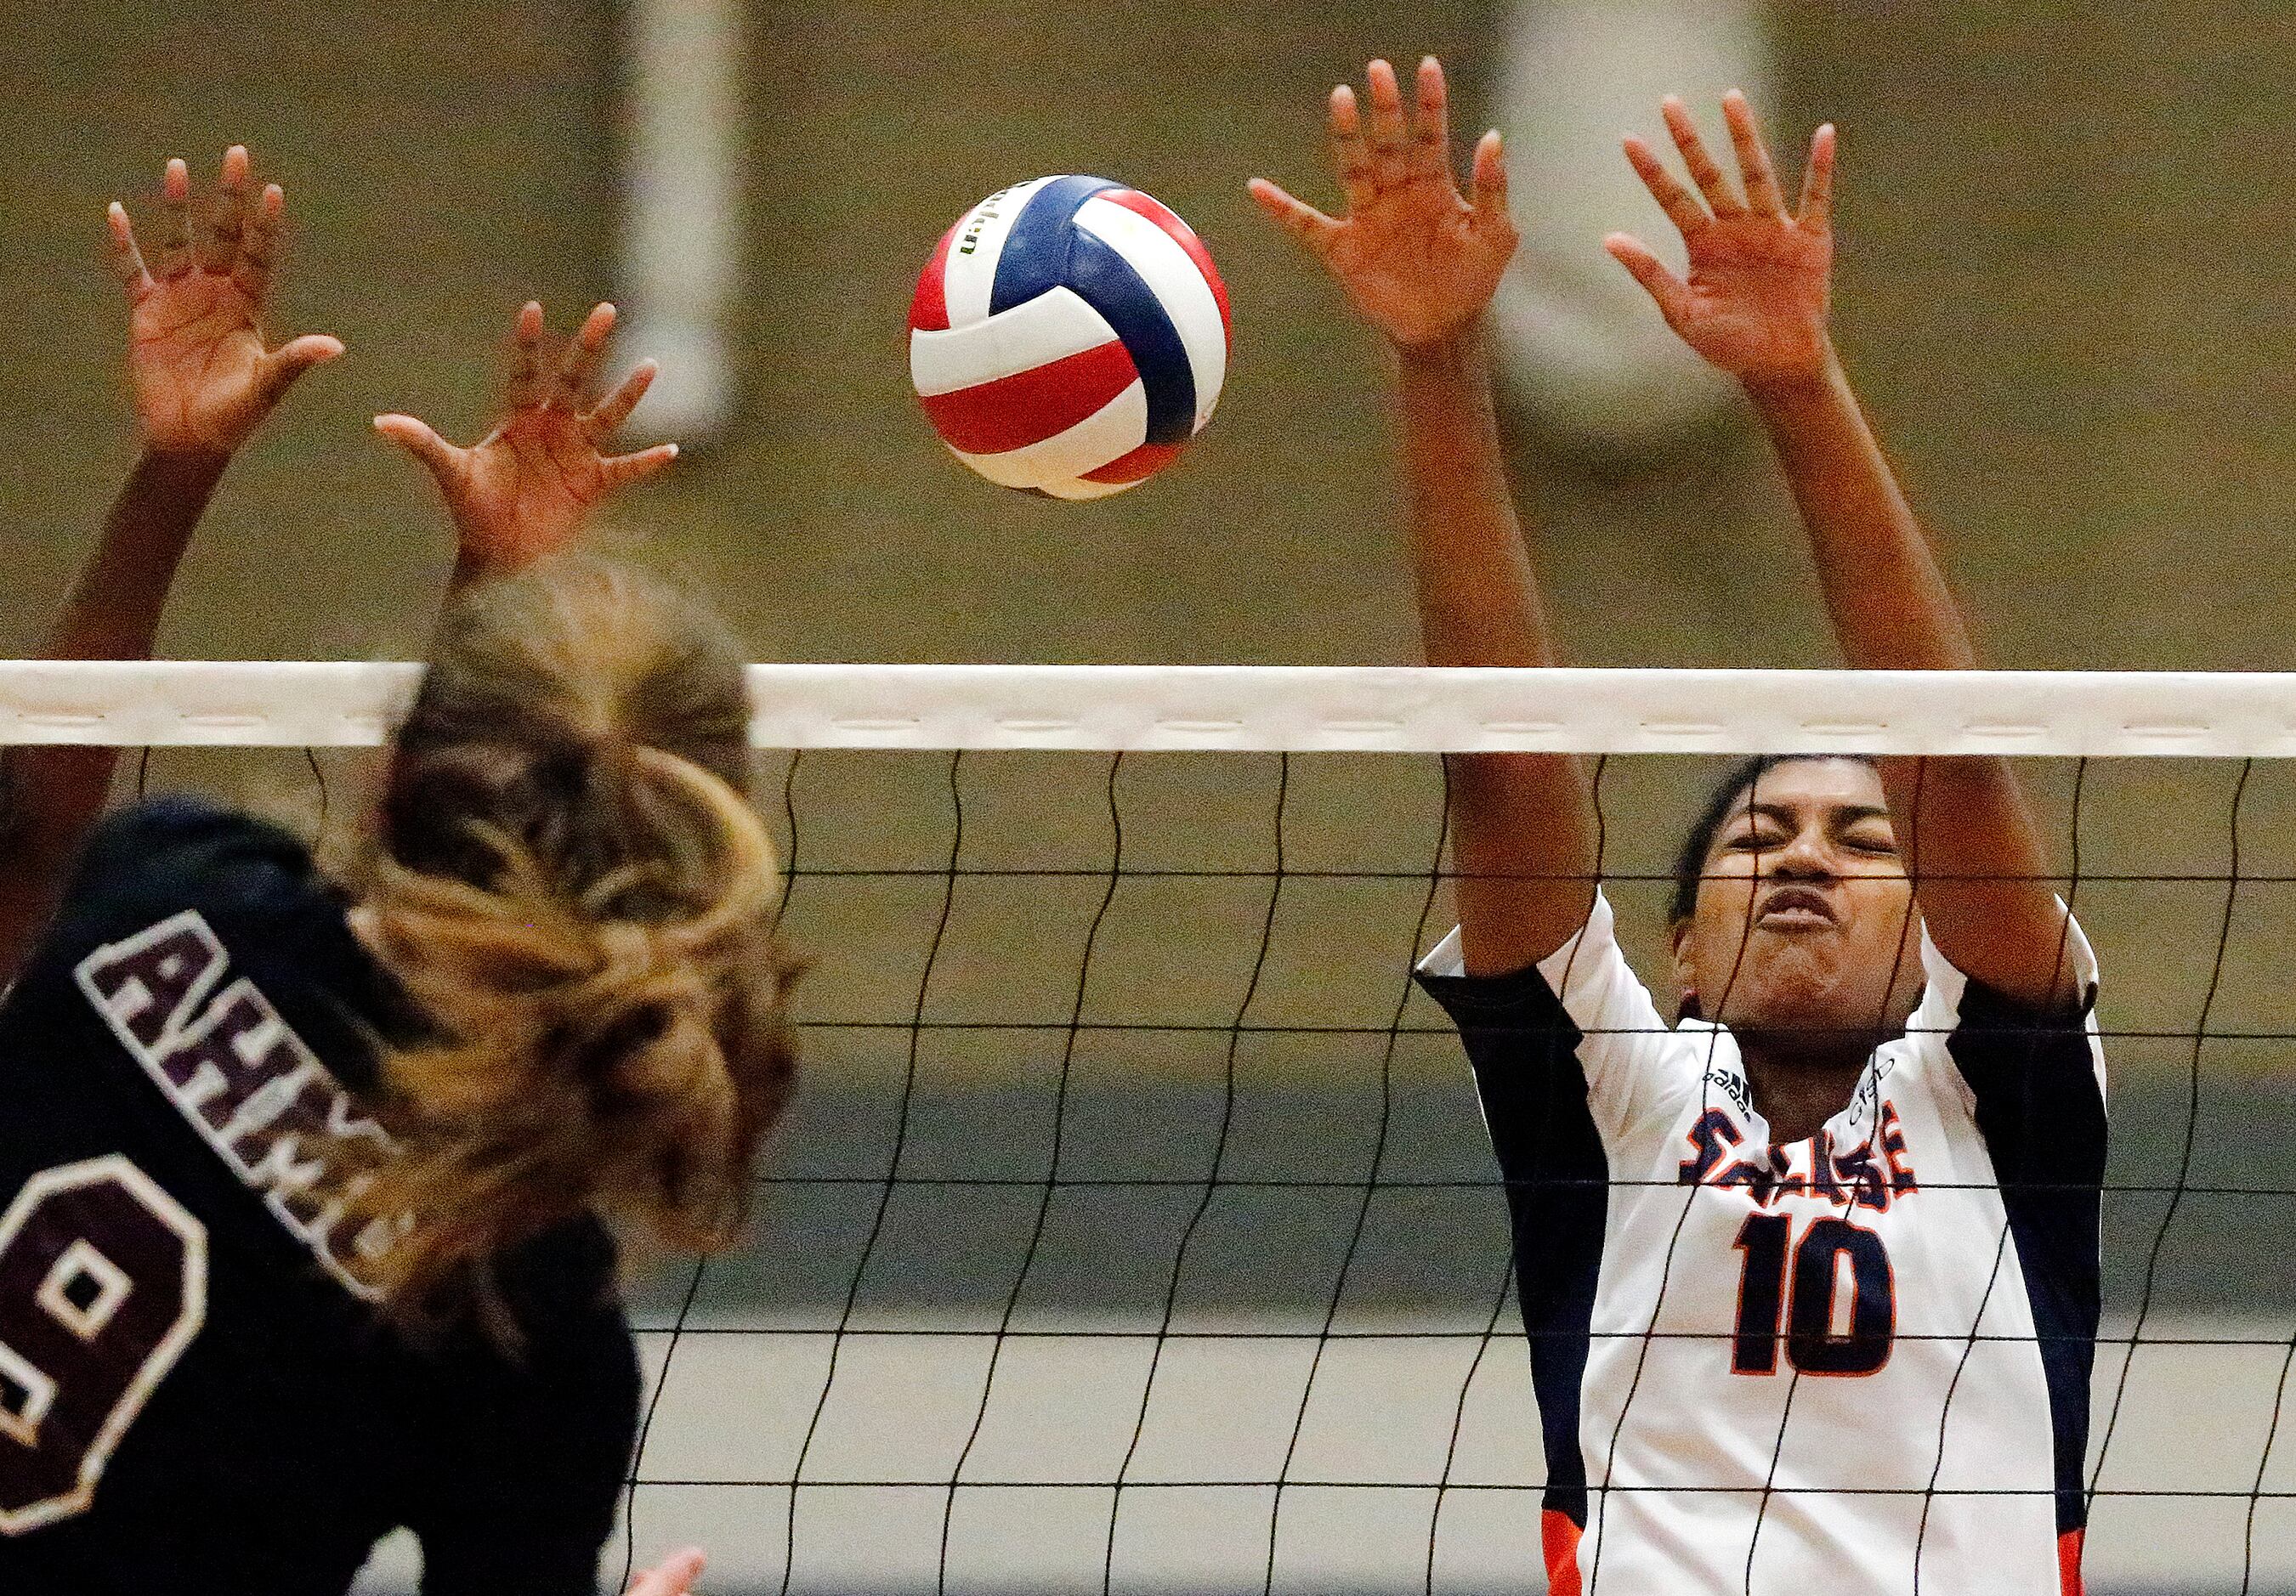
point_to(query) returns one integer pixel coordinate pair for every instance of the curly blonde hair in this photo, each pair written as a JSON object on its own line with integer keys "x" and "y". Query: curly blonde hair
{"x": 574, "y": 890}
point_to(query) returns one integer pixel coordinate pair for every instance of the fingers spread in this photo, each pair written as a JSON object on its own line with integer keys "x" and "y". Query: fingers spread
{"x": 615, "y": 408}
{"x": 1297, "y": 217}
{"x": 1754, "y": 168}
{"x": 1431, "y": 129}
{"x": 258, "y": 244}
{"x": 525, "y": 390}
{"x": 618, "y": 469}
{"x": 176, "y": 221}
{"x": 1719, "y": 196}
{"x": 126, "y": 260}
{"x": 226, "y": 215}
{"x": 1815, "y": 212}
{"x": 1647, "y": 269}
{"x": 1386, "y": 108}
{"x": 444, "y": 460}
{"x": 1350, "y": 158}
{"x": 580, "y": 369}
{"x": 1681, "y": 206}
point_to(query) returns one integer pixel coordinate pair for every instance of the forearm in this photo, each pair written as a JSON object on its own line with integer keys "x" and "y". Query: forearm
{"x": 1965, "y": 828}
{"x": 1477, "y": 603}
{"x": 1522, "y": 829}
{"x": 49, "y": 796}
{"x": 112, "y": 612}
{"x": 1885, "y": 593}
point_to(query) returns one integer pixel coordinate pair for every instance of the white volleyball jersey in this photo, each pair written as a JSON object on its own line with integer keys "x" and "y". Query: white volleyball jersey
{"x": 1846, "y": 1365}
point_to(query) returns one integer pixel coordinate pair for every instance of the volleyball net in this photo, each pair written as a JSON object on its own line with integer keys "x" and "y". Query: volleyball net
{"x": 1137, "y": 1228}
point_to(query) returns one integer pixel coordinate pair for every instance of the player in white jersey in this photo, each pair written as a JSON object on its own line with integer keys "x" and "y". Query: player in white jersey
{"x": 1811, "y": 1277}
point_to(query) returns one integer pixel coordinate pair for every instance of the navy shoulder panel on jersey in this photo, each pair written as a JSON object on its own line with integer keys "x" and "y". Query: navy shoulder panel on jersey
{"x": 2041, "y": 1111}
{"x": 1524, "y": 1047}
{"x": 2033, "y": 1076}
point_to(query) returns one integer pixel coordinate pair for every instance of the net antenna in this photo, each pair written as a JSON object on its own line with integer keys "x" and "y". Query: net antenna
{"x": 676, "y": 249}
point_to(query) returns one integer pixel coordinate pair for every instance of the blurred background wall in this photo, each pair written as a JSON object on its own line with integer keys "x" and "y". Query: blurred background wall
{"x": 2062, "y": 287}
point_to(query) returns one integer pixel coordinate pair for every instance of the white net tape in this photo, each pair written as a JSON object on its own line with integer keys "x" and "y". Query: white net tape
{"x": 2097, "y": 714}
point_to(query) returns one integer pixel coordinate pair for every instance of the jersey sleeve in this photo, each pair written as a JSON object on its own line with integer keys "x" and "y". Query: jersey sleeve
{"x": 256, "y": 887}
{"x": 2033, "y": 1079}
{"x": 1582, "y": 1009}
{"x": 529, "y": 1449}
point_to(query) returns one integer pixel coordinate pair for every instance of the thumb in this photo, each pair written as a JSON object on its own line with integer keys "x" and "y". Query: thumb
{"x": 291, "y": 360}
{"x": 443, "y": 459}
{"x": 1663, "y": 286}
{"x": 1296, "y": 217}
{"x": 619, "y": 469}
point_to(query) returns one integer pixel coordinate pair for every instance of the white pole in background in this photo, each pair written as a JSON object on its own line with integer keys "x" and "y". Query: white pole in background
{"x": 680, "y": 222}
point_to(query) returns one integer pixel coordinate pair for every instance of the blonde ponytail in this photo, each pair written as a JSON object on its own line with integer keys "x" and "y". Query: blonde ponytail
{"x": 582, "y": 910}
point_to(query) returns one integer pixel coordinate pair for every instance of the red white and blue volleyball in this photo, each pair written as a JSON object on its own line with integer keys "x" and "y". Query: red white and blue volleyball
{"x": 1068, "y": 336}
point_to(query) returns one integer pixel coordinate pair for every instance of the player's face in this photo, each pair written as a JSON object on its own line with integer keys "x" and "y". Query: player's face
{"x": 1805, "y": 930}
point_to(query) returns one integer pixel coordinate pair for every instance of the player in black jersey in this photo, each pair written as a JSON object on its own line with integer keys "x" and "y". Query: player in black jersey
{"x": 302, "y": 1174}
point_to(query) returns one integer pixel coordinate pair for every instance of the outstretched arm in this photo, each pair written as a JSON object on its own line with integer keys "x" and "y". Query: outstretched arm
{"x": 1419, "y": 261}
{"x": 1755, "y": 305}
{"x": 203, "y": 381}
{"x": 526, "y": 489}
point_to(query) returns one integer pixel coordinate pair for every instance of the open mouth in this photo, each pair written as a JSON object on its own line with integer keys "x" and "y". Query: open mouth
{"x": 1796, "y": 909}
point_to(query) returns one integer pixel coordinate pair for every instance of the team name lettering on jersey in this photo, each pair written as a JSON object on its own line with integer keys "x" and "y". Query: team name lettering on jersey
{"x": 1872, "y": 1175}
{"x": 246, "y": 1083}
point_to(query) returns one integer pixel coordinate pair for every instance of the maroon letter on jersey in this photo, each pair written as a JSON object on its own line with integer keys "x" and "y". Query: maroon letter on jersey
{"x": 103, "y": 1284}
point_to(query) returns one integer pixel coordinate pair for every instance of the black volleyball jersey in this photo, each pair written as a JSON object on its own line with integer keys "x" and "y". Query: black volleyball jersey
{"x": 195, "y": 1396}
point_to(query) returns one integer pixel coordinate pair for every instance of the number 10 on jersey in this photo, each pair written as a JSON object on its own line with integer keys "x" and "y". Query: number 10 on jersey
{"x": 1801, "y": 1305}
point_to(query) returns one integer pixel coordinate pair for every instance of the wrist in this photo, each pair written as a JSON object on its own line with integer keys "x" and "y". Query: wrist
{"x": 1458, "y": 352}
{"x": 1821, "y": 382}
{"x": 486, "y": 554}
{"x": 187, "y": 458}
{"x": 473, "y": 567}
{"x": 183, "y": 465}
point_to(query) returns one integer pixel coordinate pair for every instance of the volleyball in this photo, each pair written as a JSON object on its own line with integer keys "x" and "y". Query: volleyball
{"x": 1068, "y": 336}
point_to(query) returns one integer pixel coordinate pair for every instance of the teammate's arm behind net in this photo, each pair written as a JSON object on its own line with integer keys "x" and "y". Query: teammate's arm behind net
{"x": 204, "y": 382}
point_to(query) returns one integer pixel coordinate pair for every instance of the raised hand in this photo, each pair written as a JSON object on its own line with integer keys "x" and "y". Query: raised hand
{"x": 1755, "y": 303}
{"x": 672, "y": 1577}
{"x": 524, "y": 490}
{"x": 1418, "y": 259}
{"x": 203, "y": 378}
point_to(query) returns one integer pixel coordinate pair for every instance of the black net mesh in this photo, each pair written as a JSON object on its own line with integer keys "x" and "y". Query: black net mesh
{"x": 1137, "y": 1228}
